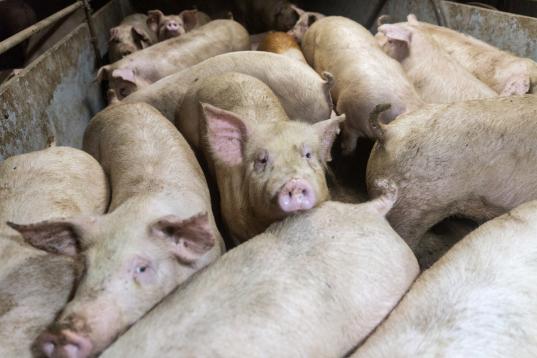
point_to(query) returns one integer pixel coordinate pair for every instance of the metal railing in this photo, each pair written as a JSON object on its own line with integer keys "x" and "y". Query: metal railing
{"x": 25, "y": 34}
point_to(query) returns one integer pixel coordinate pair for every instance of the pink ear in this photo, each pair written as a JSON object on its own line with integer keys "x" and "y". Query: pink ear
{"x": 189, "y": 19}
{"x": 516, "y": 85}
{"x": 328, "y": 130}
{"x": 61, "y": 236}
{"x": 153, "y": 19}
{"x": 126, "y": 74}
{"x": 114, "y": 34}
{"x": 396, "y": 32}
{"x": 191, "y": 238}
{"x": 226, "y": 134}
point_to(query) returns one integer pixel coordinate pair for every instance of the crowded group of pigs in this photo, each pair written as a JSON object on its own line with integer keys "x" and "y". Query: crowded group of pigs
{"x": 118, "y": 252}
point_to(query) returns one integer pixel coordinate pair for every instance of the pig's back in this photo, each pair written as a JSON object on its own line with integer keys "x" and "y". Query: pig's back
{"x": 348, "y": 51}
{"x": 282, "y": 295}
{"x": 477, "y": 300}
{"x": 178, "y": 53}
{"x": 283, "y": 75}
{"x": 142, "y": 152}
{"x": 493, "y": 140}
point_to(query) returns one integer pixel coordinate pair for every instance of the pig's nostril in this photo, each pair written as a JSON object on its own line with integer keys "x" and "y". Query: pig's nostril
{"x": 48, "y": 348}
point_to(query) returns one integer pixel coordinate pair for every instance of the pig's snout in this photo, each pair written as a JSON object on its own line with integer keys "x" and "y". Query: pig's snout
{"x": 172, "y": 27}
{"x": 66, "y": 344}
{"x": 295, "y": 195}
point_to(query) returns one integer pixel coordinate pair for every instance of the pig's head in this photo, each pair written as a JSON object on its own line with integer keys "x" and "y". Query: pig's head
{"x": 281, "y": 164}
{"x": 168, "y": 26}
{"x": 123, "y": 81}
{"x": 130, "y": 264}
{"x": 128, "y": 40}
{"x": 304, "y": 22}
{"x": 394, "y": 39}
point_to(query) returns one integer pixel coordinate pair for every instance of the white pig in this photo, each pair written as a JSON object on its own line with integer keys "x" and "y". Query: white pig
{"x": 167, "y": 57}
{"x": 158, "y": 232}
{"x": 168, "y": 26}
{"x": 313, "y": 285}
{"x": 437, "y": 77}
{"x": 34, "y": 285}
{"x": 477, "y": 301}
{"x": 500, "y": 70}
{"x": 302, "y": 92}
{"x": 474, "y": 159}
{"x": 364, "y": 75}
{"x": 266, "y": 166}
{"x": 131, "y": 35}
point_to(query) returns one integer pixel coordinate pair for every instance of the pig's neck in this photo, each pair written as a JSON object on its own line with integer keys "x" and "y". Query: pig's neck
{"x": 239, "y": 215}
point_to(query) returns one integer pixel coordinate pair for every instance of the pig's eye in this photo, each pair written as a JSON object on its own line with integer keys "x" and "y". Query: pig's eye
{"x": 261, "y": 161}
{"x": 143, "y": 272}
{"x": 123, "y": 92}
{"x": 306, "y": 152}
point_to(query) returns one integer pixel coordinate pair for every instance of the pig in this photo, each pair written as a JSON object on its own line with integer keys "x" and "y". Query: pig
{"x": 437, "y": 77}
{"x": 266, "y": 166}
{"x": 364, "y": 75}
{"x": 502, "y": 71}
{"x": 46, "y": 184}
{"x": 473, "y": 159}
{"x": 302, "y": 92}
{"x": 265, "y": 15}
{"x": 159, "y": 230}
{"x": 130, "y": 36}
{"x": 165, "y": 58}
{"x": 282, "y": 43}
{"x": 313, "y": 285}
{"x": 477, "y": 301}
{"x": 167, "y": 26}
{"x": 304, "y": 22}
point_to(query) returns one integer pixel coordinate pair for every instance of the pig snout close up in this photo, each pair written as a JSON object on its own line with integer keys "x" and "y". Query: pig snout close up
{"x": 296, "y": 195}
{"x": 65, "y": 343}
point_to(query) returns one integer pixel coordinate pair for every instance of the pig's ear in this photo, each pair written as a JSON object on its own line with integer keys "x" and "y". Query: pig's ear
{"x": 226, "y": 134}
{"x": 412, "y": 19}
{"x": 298, "y": 10}
{"x": 516, "y": 85}
{"x": 396, "y": 32}
{"x": 103, "y": 73}
{"x": 62, "y": 236}
{"x": 190, "y": 238}
{"x": 126, "y": 74}
{"x": 153, "y": 19}
{"x": 189, "y": 19}
{"x": 140, "y": 36}
{"x": 328, "y": 130}
{"x": 388, "y": 196}
{"x": 114, "y": 34}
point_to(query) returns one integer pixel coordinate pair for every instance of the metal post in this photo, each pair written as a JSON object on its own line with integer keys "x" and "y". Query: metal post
{"x": 19, "y": 37}
{"x": 93, "y": 36}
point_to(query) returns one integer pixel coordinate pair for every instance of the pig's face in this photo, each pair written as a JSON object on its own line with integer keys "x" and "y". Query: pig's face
{"x": 167, "y": 27}
{"x": 124, "y": 81}
{"x": 130, "y": 265}
{"x": 125, "y": 40}
{"x": 281, "y": 163}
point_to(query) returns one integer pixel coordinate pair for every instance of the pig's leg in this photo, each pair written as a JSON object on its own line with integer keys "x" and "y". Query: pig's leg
{"x": 349, "y": 138}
